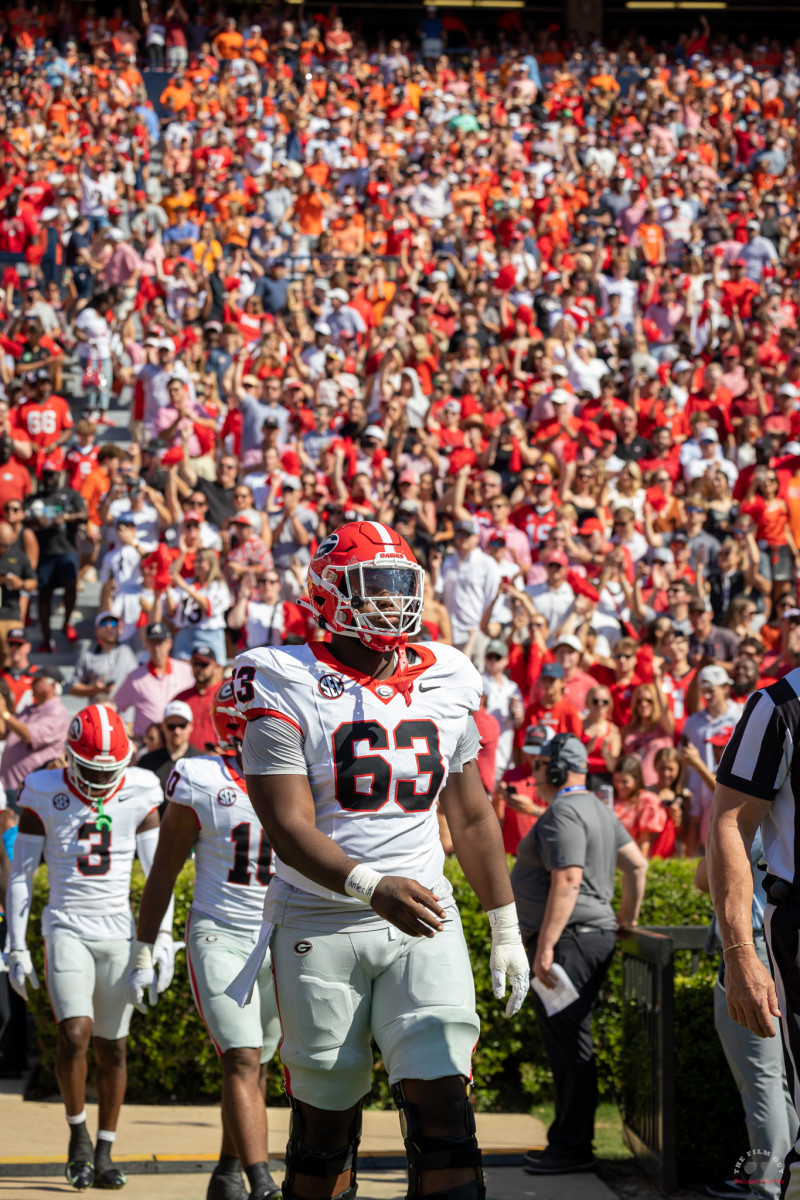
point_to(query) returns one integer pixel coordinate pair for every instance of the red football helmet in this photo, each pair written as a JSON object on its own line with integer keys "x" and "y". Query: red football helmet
{"x": 98, "y": 751}
{"x": 229, "y": 724}
{"x": 364, "y": 582}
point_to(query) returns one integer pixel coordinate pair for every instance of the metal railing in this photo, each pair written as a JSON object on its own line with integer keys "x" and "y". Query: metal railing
{"x": 647, "y": 1096}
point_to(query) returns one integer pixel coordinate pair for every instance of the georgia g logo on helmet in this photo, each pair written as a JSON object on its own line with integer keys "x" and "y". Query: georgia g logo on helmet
{"x": 365, "y": 582}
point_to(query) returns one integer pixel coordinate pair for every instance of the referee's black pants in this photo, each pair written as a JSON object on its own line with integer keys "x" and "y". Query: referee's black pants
{"x": 782, "y": 931}
{"x": 585, "y": 955}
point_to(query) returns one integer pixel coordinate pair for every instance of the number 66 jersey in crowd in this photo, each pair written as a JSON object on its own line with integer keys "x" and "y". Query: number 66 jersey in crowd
{"x": 377, "y": 753}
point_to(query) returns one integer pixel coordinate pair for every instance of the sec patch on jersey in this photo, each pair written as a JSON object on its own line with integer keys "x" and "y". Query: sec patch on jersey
{"x": 61, "y": 801}
{"x": 331, "y": 687}
{"x": 226, "y": 797}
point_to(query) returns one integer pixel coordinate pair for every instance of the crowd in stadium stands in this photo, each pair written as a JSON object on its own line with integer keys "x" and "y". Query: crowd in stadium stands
{"x": 533, "y": 303}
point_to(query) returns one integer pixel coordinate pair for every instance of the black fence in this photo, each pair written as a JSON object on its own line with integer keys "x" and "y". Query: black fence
{"x": 648, "y": 1063}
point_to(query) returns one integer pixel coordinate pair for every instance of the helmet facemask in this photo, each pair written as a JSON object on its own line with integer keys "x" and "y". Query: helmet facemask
{"x": 94, "y": 779}
{"x": 381, "y": 604}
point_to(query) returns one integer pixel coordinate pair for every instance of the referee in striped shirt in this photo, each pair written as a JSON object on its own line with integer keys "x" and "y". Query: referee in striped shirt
{"x": 758, "y": 783}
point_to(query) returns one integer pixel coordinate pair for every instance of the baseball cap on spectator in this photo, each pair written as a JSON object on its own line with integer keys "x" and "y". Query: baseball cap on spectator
{"x": 663, "y": 554}
{"x": 125, "y": 518}
{"x": 241, "y": 519}
{"x": 322, "y": 327}
{"x": 569, "y": 640}
{"x": 338, "y": 294}
{"x": 17, "y": 637}
{"x": 157, "y": 631}
{"x": 50, "y": 464}
{"x": 708, "y": 435}
{"x": 497, "y": 539}
{"x": 552, "y": 670}
{"x": 47, "y": 672}
{"x": 713, "y": 676}
{"x": 682, "y": 364}
{"x": 452, "y": 406}
{"x": 496, "y": 646}
{"x": 178, "y": 708}
{"x": 374, "y": 431}
{"x": 699, "y": 603}
{"x": 43, "y": 375}
{"x": 534, "y": 738}
{"x": 591, "y": 525}
{"x": 251, "y": 381}
{"x": 469, "y": 526}
{"x": 558, "y": 557}
{"x": 407, "y": 476}
{"x": 571, "y": 753}
{"x": 291, "y": 483}
{"x": 542, "y": 477}
{"x": 203, "y": 654}
{"x": 105, "y": 615}
{"x": 558, "y": 396}
{"x": 559, "y": 369}
{"x": 192, "y": 515}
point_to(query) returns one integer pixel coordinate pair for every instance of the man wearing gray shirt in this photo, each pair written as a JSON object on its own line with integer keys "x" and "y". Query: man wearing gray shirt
{"x": 563, "y": 883}
{"x": 105, "y": 664}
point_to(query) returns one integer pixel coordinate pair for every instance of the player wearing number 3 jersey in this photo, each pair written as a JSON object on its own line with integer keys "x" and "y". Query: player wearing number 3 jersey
{"x": 349, "y": 748}
{"x": 88, "y": 820}
{"x": 209, "y": 811}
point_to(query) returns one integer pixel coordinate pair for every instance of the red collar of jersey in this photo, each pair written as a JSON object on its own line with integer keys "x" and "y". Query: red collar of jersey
{"x": 167, "y": 668}
{"x": 426, "y": 659}
{"x": 233, "y": 771}
{"x": 83, "y": 799}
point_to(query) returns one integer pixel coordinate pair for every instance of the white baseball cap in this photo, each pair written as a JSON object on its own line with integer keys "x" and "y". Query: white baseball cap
{"x": 178, "y": 708}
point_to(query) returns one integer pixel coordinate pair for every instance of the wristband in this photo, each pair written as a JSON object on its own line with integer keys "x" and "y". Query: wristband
{"x": 503, "y": 918}
{"x": 361, "y": 883}
{"x": 736, "y": 946}
{"x": 142, "y": 956}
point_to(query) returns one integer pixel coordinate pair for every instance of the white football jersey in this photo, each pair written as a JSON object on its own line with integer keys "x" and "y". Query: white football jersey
{"x": 232, "y": 852}
{"x": 89, "y": 869}
{"x": 375, "y": 763}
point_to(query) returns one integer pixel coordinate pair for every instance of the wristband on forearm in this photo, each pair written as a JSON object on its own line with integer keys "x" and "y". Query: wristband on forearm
{"x": 361, "y": 883}
{"x": 142, "y": 956}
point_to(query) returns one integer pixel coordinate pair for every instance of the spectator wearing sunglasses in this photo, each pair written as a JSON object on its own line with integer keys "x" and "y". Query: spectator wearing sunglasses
{"x": 177, "y": 729}
{"x": 102, "y": 666}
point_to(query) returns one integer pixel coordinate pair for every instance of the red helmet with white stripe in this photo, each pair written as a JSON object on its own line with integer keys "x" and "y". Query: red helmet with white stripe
{"x": 229, "y": 724}
{"x": 98, "y": 751}
{"x": 365, "y": 582}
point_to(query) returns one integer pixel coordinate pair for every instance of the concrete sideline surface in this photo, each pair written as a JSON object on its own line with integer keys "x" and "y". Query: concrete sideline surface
{"x": 37, "y": 1131}
{"x": 503, "y": 1183}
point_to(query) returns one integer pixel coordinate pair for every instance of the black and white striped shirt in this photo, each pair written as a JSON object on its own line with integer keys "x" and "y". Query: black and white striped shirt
{"x": 760, "y": 760}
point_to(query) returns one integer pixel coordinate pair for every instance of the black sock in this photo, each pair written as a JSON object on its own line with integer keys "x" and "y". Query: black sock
{"x": 228, "y": 1165}
{"x": 102, "y": 1155}
{"x": 258, "y": 1176}
{"x": 80, "y": 1144}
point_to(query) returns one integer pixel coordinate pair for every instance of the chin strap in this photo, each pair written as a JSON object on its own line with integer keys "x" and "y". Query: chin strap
{"x": 401, "y": 682}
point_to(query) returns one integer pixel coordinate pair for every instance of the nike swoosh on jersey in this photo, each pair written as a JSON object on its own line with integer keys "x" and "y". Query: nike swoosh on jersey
{"x": 429, "y": 688}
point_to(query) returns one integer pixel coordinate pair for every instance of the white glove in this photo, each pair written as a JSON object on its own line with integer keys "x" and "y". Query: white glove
{"x": 21, "y": 972}
{"x": 508, "y": 958}
{"x": 164, "y": 953}
{"x": 142, "y": 977}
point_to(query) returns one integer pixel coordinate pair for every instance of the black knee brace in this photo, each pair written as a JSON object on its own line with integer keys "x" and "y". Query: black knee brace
{"x": 302, "y": 1159}
{"x": 435, "y": 1154}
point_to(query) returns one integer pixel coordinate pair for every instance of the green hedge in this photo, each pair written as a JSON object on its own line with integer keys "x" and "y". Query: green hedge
{"x": 171, "y": 1058}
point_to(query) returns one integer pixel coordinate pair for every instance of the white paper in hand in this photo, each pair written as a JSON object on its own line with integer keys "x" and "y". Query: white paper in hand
{"x": 558, "y": 997}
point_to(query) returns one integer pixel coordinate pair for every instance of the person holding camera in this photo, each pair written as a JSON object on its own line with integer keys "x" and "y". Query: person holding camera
{"x": 563, "y": 883}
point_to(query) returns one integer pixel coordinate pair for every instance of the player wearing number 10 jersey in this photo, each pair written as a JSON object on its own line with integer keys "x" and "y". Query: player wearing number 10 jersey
{"x": 88, "y": 820}
{"x": 209, "y": 811}
{"x": 349, "y": 748}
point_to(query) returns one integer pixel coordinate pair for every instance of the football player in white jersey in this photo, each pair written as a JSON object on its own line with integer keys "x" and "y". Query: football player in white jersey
{"x": 209, "y": 811}
{"x": 88, "y": 820}
{"x": 348, "y": 748}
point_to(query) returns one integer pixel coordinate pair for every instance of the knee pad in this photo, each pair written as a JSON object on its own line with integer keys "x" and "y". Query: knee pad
{"x": 436, "y": 1154}
{"x": 302, "y": 1159}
